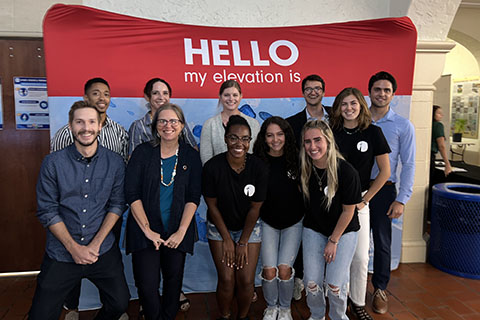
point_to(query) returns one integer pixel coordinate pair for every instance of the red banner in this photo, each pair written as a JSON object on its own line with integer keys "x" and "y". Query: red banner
{"x": 82, "y": 42}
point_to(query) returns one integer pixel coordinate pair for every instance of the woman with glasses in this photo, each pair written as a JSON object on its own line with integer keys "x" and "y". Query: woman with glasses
{"x": 331, "y": 189}
{"x": 281, "y": 214}
{"x": 156, "y": 92}
{"x": 213, "y": 130}
{"x": 361, "y": 143}
{"x": 234, "y": 185}
{"x": 163, "y": 188}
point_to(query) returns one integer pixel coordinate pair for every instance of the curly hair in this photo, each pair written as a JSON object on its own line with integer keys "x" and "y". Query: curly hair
{"x": 364, "y": 117}
{"x": 260, "y": 148}
{"x": 236, "y": 120}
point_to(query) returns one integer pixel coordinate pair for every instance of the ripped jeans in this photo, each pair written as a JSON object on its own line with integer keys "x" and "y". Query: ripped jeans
{"x": 333, "y": 277}
{"x": 279, "y": 248}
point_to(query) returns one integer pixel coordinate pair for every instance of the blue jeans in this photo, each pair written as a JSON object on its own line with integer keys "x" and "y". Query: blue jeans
{"x": 255, "y": 236}
{"x": 335, "y": 274}
{"x": 381, "y": 226}
{"x": 279, "y": 247}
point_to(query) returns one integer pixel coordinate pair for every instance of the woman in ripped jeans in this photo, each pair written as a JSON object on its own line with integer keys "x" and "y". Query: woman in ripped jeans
{"x": 331, "y": 189}
{"x": 282, "y": 213}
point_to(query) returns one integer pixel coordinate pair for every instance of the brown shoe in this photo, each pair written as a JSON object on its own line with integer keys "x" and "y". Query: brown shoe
{"x": 380, "y": 301}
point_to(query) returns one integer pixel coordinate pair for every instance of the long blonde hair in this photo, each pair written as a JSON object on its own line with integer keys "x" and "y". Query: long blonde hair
{"x": 306, "y": 164}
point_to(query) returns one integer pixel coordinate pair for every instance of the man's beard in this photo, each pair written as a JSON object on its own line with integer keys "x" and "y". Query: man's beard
{"x": 83, "y": 143}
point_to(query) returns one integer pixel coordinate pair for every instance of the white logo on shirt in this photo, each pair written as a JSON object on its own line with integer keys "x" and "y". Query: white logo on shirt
{"x": 325, "y": 191}
{"x": 249, "y": 190}
{"x": 362, "y": 146}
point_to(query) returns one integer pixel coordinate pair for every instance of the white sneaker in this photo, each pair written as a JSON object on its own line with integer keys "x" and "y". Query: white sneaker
{"x": 72, "y": 315}
{"x": 270, "y": 313}
{"x": 297, "y": 288}
{"x": 284, "y": 314}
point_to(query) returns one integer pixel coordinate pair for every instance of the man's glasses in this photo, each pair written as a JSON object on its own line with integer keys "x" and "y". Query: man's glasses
{"x": 233, "y": 138}
{"x": 309, "y": 90}
{"x": 173, "y": 122}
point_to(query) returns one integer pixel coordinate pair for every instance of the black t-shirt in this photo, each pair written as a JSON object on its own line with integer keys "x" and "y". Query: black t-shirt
{"x": 360, "y": 148}
{"x": 317, "y": 216}
{"x": 284, "y": 204}
{"x": 234, "y": 191}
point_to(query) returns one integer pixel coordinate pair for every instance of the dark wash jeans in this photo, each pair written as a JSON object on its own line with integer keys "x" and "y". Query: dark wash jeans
{"x": 381, "y": 226}
{"x": 57, "y": 279}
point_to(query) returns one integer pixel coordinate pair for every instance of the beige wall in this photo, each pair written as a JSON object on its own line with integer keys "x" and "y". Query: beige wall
{"x": 23, "y": 18}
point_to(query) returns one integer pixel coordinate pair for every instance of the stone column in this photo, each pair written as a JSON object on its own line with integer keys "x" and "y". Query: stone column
{"x": 429, "y": 63}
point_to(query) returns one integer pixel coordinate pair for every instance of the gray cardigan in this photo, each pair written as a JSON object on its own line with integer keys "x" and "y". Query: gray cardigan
{"x": 212, "y": 140}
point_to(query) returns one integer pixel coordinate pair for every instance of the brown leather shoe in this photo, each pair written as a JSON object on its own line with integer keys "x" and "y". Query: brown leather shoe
{"x": 380, "y": 301}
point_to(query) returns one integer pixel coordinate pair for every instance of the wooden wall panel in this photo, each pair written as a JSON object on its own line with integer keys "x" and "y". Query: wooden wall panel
{"x": 22, "y": 238}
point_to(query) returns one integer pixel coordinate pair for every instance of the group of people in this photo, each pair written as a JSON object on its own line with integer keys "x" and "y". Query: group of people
{"x": 319, "y": 180}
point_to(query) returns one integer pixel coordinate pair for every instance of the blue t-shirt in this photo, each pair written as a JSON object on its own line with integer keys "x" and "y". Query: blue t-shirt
{"x": 166, "y": 193}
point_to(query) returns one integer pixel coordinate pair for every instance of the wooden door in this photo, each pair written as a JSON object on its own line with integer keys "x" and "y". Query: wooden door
{"x": 22, "y": 238}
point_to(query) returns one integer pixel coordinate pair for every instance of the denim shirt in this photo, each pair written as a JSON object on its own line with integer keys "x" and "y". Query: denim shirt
{"x": 400, "y": 135}
{"x": 80, "y": 192}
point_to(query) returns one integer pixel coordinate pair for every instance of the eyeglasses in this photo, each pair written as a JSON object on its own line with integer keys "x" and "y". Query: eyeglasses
{"x": 233, "y": 138}
{"x": 173, "y": 122}
{"x": 309, "y": 90}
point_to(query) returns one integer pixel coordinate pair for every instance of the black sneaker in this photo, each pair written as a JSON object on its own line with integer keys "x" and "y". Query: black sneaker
{"x": 359, "y": 312}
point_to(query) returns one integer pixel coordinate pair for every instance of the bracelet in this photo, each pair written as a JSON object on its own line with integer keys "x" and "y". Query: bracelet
{"x": 242, "y": 244}
{"x": 365, "y": 202}
{"x": 332, "y": 241}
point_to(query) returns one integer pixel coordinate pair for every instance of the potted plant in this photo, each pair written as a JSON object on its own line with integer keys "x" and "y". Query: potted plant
{"x": 458, "y": 130}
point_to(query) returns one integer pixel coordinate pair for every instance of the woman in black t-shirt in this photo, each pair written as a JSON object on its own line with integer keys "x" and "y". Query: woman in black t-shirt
{"x": 361, "y": 143}
{"x": 331, "y": 189}
{"x": 234, "y": 186}
{"x": 281, "y": 214}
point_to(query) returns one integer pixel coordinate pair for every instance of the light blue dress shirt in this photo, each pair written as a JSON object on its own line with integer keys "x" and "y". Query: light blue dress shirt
{"x": 400, "y": 135}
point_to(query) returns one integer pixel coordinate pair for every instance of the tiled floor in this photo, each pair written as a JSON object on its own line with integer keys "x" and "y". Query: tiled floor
{"x": 416, "y": 291}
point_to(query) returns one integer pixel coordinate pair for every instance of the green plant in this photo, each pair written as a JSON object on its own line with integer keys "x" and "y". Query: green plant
{"x": 460, "y": 125}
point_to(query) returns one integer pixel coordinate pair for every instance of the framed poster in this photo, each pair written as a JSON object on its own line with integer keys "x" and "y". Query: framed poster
{"x": 465, "y": 101}
{"x": 31, "y": 103}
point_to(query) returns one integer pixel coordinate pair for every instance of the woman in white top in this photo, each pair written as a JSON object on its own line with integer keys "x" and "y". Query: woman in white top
{"x": 212, "y": 140}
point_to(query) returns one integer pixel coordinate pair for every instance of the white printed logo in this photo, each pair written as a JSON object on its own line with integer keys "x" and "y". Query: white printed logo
{"x": 325, "y": 191}
{"x": 362, "y": 146}
{"x": 249, "y": 190}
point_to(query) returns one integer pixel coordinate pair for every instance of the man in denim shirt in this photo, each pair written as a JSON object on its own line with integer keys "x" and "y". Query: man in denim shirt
{"x": 80, "y": 198}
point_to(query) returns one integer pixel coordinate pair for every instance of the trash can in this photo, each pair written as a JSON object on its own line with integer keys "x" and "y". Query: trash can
{"x": 455, "y": 229}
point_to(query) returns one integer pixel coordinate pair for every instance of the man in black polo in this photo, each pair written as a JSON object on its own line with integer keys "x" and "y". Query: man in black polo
{"x": 80, "y": 198}
{"x": 313, "y": 89}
